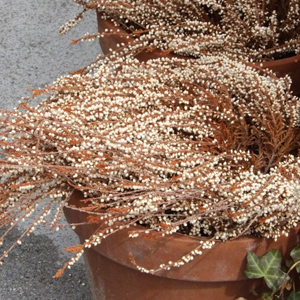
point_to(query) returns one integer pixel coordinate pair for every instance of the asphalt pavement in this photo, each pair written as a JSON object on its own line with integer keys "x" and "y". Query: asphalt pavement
{"x": 32, "y": 55}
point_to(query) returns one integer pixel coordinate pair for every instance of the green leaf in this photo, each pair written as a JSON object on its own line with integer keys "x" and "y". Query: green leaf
{"x": 295, "y": 254}
{"x": 289, "y": 263}
{"x": 267, "y": 296}
{"x": 294, "y": 296}
{"x": 267, "y": 267}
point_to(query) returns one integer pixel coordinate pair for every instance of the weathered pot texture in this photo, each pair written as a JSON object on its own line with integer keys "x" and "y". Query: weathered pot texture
{"x": 216, "y": 274}
{"x": 286, "y": 66}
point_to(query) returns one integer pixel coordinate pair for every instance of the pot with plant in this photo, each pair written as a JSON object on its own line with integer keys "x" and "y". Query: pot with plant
{"x": 163, "y": 168}
{"x": 264, "y": 32}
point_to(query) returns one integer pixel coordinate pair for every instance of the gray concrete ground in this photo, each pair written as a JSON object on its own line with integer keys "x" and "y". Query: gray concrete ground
{"x": 32, "y": 54}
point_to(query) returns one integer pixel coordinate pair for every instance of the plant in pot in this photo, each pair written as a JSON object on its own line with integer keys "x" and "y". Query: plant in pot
{"x": 266, "y": 32}
{"x": 170, "y": 171}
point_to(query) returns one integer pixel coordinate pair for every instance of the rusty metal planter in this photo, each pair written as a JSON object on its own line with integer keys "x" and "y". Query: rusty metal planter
{"x": 216, "y": 274}
{"x": 286, "y": 66}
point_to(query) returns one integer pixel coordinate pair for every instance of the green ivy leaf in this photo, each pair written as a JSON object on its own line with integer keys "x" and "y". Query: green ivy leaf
{"x": 289, "y": 263}
{"x": 267, "y": 296}
{"x": 267, "y": 267}
{"x": 294, "y": 296}
{"x": 295, "y": 254}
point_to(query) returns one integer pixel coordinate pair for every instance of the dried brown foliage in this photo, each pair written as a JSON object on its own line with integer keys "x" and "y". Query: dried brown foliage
{"x": 204, "y": 147}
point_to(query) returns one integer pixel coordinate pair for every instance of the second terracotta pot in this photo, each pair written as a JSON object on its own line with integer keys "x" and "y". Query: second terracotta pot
{"x": 287, "y": 66}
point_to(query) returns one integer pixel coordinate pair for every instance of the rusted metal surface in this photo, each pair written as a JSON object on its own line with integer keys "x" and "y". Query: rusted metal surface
{"x": 217, "y": 273}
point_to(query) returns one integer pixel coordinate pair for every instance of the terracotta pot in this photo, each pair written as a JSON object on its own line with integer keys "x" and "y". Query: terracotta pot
{"x": 216, "y": 274}
{"x": 111, "y": 41}
{"x": 287, "y": 66}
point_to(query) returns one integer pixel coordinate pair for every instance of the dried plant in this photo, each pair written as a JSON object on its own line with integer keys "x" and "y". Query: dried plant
{"x": 258, "y": 30}
{"x": 204, "y": 147}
